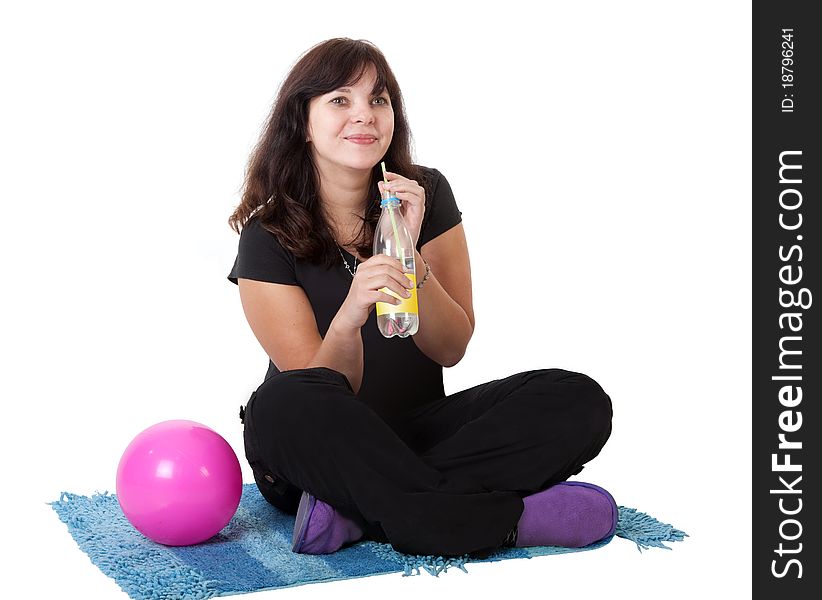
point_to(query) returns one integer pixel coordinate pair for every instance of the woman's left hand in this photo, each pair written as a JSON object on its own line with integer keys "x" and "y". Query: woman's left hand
{"x": 412, "y": 196}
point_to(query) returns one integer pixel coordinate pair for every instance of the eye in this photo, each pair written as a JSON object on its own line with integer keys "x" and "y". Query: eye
{"x": 381, "y": 100}
{"x": 334, "y": 100}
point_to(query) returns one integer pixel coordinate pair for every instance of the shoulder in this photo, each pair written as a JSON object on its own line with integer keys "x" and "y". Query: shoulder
{"x": 433, "y": 181}
{"x": 441, "y": 210}
{"x": 261, "y": 256}
{"x": 257, "y": 234}
{"x": 436, "y": 185}
{"x": 254, "y": 226}
{"x": 429, "y": 175}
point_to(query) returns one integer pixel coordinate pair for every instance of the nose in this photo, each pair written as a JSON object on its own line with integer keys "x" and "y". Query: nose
{"x": 362, "y": 114}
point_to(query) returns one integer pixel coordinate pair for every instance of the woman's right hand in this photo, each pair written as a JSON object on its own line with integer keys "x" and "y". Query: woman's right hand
{"x": 380, "y": 271}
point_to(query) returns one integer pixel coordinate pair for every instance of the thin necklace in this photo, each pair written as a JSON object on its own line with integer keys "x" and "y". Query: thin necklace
{"x": 345, "y": 262}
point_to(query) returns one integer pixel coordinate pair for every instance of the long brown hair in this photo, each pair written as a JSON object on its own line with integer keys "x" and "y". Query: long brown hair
{"x": 282, "y": 183}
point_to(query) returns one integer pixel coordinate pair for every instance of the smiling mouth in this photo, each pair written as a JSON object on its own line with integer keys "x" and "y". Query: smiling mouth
{"x": 362, "y": 140}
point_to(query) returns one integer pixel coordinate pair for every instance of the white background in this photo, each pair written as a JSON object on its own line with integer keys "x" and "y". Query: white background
{"x": 600, "y": 153}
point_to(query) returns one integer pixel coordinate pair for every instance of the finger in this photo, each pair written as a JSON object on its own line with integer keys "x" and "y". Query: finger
{"x": 409, "y": 197}
{"x": 403, "y": 282}
{"x": 382, "y": 264}
{"x": 387, "y": 186}
{"x": 387, "y": 298}
{"x": 396, "y": 290}
{"x": 390, "y": 261}
{"x": 415, "y": 195}
{"x": 391, "y": 175}
{"x": 399, "y": 182}
{"x": 402, "y": 183}
{"x": 404, "y": 189}
{"x": 397, "y": 282}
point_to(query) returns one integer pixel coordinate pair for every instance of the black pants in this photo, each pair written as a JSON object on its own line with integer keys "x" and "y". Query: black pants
{"x": 449, "y": 478}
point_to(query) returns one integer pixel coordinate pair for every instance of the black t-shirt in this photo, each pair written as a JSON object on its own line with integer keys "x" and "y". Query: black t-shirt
{"x": 386, "y": 361}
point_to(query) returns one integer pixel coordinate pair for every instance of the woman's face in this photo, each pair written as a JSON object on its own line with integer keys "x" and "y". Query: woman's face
{"x": 349, "y": 127}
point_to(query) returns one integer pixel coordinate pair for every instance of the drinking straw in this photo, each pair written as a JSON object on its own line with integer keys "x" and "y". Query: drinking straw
{"x": 391, "y": 210}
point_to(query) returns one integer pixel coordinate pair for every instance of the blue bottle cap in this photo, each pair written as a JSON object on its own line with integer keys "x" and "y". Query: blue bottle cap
{"x": 384, "y": 202}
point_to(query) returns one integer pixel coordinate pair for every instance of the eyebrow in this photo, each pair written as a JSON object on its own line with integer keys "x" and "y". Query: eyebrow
{"x": 348, "y": 91}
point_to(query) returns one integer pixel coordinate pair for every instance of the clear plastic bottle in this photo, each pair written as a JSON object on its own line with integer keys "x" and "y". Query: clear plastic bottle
{"x": 392, "y": 238}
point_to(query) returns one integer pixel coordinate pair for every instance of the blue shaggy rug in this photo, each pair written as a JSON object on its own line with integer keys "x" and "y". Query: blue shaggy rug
{"x": 253, "y": 552}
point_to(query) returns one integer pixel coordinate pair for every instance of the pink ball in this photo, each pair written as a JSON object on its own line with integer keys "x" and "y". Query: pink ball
{"x": 179, "y": 483}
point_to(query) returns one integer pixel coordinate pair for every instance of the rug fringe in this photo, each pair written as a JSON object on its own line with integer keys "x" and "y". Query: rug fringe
{"x": 645, "y": 531}
{"x": 97, "y": 497}
{"x": 642, "y": 529}
{"x": 434, "y": 565}
{"x": 142, "y": 568}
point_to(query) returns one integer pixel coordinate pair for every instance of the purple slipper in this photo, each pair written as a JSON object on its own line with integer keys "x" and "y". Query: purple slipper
{"x": 320, "y": 529}
{"x": 571, "y": 514}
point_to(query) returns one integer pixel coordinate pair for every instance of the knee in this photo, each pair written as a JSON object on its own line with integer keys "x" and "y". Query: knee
{"x": 584, "y": 398}
{"x": 595, "y": 406}
{"x": 293, "y": 400}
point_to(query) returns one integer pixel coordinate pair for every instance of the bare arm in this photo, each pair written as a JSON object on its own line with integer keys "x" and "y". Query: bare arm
{"x": 445, "y": 301}
{"x": 283, "y": 322}
{"x": 341, "y": 350}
